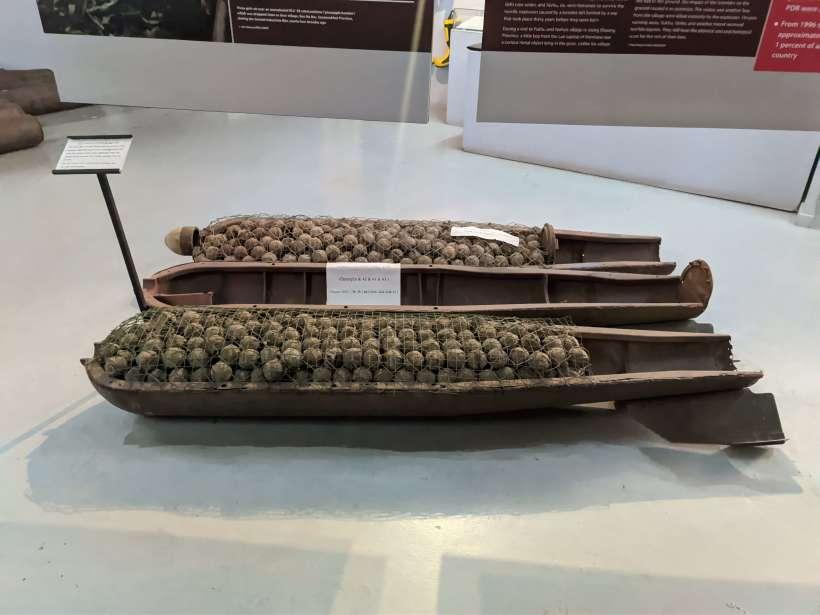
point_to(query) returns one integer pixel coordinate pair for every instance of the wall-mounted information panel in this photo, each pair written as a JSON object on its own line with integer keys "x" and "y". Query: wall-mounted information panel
{"x": 356, "y": 59}
{"x": 395, "y": 25}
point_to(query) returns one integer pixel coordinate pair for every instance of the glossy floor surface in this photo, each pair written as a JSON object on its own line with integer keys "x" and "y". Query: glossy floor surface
{"x": 552, "y": 512}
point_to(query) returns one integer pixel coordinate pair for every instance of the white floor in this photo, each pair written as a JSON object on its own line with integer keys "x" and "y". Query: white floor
{"x": 102, "y": 511}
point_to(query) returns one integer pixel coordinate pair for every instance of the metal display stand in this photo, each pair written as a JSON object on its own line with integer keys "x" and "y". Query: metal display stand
{"x": 108, "y": 196}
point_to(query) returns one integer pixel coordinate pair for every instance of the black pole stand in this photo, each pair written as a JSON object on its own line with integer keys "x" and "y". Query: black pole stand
{"x": 76, "y": 159}
{"x": 122, "y": 240}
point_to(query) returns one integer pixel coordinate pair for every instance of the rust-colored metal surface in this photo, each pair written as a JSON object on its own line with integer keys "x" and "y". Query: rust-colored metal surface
{"x": 18, "y": 130}
{"x": 587, "y": 297}
{"x": 34, "y": 90}
{"x": 396, "y": 399}
{"x": 738, "y": 418}
{"x": 627, "y": 365}
{"x": 585, "y": 247}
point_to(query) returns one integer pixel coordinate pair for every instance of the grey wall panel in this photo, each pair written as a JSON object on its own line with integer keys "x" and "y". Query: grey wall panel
{"x": 644, "y": 90}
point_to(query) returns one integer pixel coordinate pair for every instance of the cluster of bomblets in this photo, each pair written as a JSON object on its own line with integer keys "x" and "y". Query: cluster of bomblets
{"x": 221, "y": 345}
{"x": 328, "y": 240}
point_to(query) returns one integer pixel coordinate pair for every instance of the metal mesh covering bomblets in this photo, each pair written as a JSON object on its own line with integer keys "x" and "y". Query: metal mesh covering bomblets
{"x": 294, "y": 239}
{"x": 221, "y": 345}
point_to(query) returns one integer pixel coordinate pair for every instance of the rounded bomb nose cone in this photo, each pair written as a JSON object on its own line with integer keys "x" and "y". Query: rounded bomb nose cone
{"x": 182, "y": 240}
{"x": 549, "y": 242}
{"x": 696, "y": 283}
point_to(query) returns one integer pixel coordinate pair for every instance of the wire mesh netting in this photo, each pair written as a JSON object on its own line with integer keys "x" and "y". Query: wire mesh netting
{"x": 291, "y": 239}
{"x": 220, "y": 345}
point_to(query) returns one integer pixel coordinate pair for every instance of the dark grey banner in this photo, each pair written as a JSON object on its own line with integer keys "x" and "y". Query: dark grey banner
{"x": 388, "y": 25}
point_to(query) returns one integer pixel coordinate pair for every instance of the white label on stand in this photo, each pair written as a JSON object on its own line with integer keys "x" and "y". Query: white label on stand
{"x": 491, "y": 234}
{"x": 363, "y": 284}
{"x": 92, "y": 154}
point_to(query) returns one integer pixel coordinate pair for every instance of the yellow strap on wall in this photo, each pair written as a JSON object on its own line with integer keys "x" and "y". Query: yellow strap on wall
{"x": 443, "y": 61}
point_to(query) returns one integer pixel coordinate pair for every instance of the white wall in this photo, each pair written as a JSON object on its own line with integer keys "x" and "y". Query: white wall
{"x": 767, "y": 168}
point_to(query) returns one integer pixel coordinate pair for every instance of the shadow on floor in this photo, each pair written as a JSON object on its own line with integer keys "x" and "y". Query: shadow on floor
{"x": 64, "y": 569}
{"x": 553, "y": 460}
{"x": 486, "y": 586}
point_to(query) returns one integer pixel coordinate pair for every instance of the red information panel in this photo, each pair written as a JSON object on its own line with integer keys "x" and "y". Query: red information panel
{"x": 791, "y": 38}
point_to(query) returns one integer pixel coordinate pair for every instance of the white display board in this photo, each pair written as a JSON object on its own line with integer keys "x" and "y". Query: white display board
{"x": 652, "y": 63}
{"x": 363, "y": 284}
{"x": 92, "y": 154}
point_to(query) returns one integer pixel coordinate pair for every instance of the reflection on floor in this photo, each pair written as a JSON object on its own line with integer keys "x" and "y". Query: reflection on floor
{"x": 486, "y": 466}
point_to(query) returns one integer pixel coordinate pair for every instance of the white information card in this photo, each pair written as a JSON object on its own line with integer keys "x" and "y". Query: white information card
{"x": 94, "y": 155}
{"x": 363, "y": 284}
{"x": 490, "y": 234}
